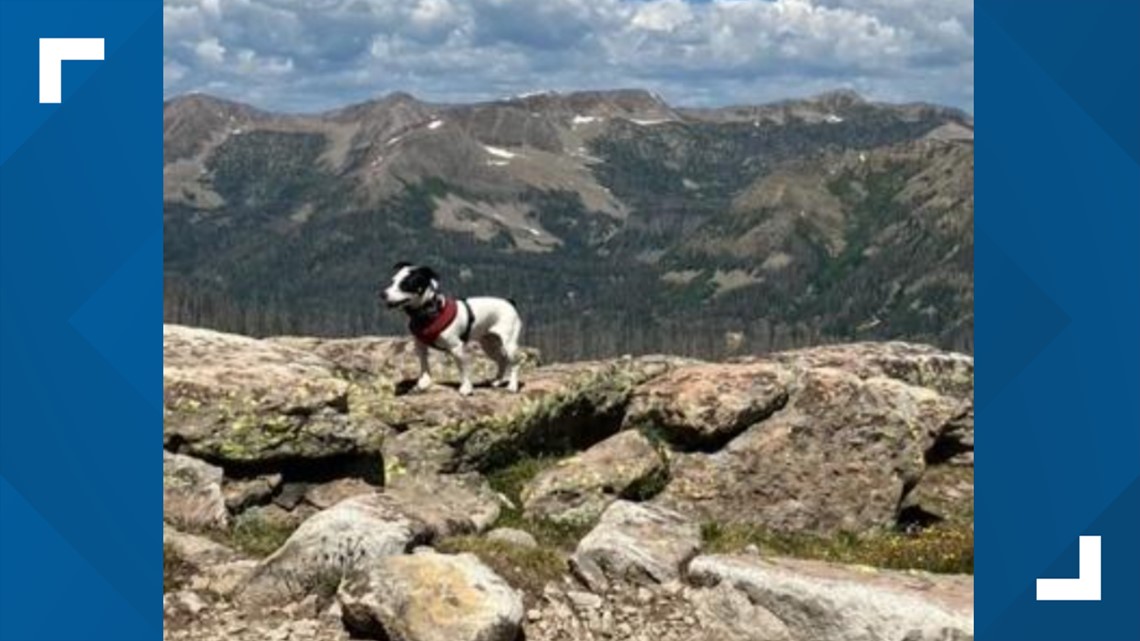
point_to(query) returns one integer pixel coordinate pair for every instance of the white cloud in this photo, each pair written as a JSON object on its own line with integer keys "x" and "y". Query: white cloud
{"x": 306, "y": 55}
{"x": 210, "y": 51}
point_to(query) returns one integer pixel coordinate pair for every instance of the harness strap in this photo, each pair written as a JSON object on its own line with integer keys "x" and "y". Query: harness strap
{"x": 470, "y": 322}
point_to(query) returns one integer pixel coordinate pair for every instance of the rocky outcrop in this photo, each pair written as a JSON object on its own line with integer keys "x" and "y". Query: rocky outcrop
{"x": 579, "y": 488}
{"x": 814, "y": 601}
{"x": 431, "y": 597}
{"x": 282, "y": 404}
{"x": 635, "y": 543}
{"x": 321, "y": 435}
{"x": 192, "y": 493}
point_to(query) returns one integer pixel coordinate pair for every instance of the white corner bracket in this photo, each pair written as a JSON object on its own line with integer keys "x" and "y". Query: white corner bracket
{"x": 1086, "y": 587}
{"x": 53, "y": 51}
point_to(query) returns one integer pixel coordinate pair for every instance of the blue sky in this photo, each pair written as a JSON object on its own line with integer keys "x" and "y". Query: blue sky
{"x": 309, "y": 55}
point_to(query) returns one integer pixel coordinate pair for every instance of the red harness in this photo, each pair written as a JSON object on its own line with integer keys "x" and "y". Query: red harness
{"x": 427, "y": 328}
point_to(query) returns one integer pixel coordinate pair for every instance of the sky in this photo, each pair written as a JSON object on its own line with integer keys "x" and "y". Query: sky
{"x": 312, "y": 55}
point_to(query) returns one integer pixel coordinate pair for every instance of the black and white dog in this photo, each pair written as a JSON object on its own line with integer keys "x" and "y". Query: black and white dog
{"x": 449, "y": 325}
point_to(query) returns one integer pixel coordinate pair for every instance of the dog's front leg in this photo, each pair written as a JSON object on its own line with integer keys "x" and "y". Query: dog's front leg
{"x": 463, "y": 361}
{"x": 424, "y": 380}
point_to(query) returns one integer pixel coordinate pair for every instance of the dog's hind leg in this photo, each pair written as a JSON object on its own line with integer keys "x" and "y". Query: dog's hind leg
{"x": 510, "y": 347}
{"x": 493, "y": 347}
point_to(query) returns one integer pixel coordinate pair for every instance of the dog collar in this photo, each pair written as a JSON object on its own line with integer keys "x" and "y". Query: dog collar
{"x": 427, "y": 326}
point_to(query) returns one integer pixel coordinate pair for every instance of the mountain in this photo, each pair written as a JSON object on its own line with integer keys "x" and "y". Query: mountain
{"x": 618, "y": 222}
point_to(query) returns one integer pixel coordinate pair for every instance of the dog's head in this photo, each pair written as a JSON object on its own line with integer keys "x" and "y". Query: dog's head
{"x": 411, "y": 286}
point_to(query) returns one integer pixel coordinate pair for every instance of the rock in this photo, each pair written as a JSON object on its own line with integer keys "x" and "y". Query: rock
{"x": 326, "y": 495}
{"x": 182, "y": 602}
{"x": 214, "y": 568}
{"x": 349, "y": 536}
{"x": 196, "y": 550}
{"x": 241, "y": 400}
{"x": 357, "y": 357}
{"x": 634, "y": 542}
{"x": 224, "y": 579}
{"x": 277, "y": 402}
{"x": 276, "y": 517}
{"x": 192, "y": 493}
{"x": 579, "y": 488}
{"x": 839, "y": 457}
{"x": 244, "y": 493}
{"x": 431, "y": 597}
{"x": 818, "y": 601}
{"x": 704, "y": 406}
{"x": 948, "y": 373}
{"x": 513, "y": 536}
{"x": 559, "y": 408}
{"x": 448, "y": 504}
{"x": 729, "y": 615}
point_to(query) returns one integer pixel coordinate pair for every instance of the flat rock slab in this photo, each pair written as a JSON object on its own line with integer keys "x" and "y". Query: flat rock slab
{"x": 431, "y": 597}
{"x": 817, "y": 601}
{"x": 240, "y": 400}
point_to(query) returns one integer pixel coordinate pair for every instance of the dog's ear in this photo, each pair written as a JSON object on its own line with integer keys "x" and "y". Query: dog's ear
{"x": 430, "y": 273}
{"x": 400, "y": 265}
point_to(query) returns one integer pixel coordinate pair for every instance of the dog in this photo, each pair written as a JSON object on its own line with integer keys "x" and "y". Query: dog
{"x": 450, "y": 325}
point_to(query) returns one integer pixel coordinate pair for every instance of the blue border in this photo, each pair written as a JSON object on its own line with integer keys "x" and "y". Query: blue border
{"x": 80, "y": 327}
{"x": 1057, "y": 284}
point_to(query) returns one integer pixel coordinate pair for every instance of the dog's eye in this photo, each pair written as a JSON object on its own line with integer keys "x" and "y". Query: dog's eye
{"x": 413, "y": 284}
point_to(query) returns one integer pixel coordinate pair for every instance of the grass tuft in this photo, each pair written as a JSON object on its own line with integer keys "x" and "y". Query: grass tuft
{"x": 943, "y": 548}
{"x": 257, "y": 536}
{"x": 526, "y": 569}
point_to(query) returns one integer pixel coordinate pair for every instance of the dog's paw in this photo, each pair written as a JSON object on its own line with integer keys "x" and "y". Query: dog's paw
{"x": 423, "y": 383}
{"x": 498, "y": 383}
{"x": 466, "y": 389}
{"x": 513, "y": 387}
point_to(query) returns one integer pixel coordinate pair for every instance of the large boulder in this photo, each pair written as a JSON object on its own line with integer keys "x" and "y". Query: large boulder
{"x": 579, "y": 488}
{"x": 950, "y": 374}
{"x": 635, "y": 543}
{"x": 816, "y": 601}
{"x": 839, "y": 457}
{"x": 704, "y": 406}
{"x": 347, "y": 537}
{"x": 431, "y": 597}
{"x": 192, "y": 493}
{"x": 240, "y": 400}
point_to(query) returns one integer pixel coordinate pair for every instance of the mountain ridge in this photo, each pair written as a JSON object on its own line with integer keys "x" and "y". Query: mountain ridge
{"x": 782, "y": 221}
